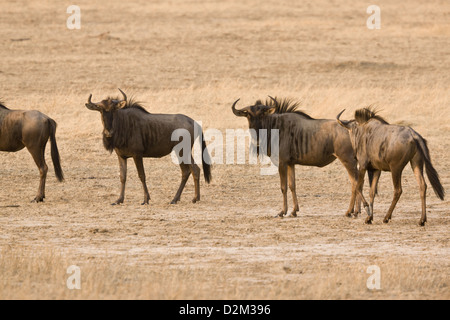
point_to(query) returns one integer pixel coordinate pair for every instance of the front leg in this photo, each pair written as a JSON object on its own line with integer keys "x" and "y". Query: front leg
{"x": 141, "y": 172}
{"x": 282, "y": 170}
{"x": 123, "y": 179}
{"x": 291, "y": 182}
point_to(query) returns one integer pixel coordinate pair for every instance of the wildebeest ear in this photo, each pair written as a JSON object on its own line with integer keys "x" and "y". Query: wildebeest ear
{"x": 121, "y": 104}
{"x": 271, "y": 110}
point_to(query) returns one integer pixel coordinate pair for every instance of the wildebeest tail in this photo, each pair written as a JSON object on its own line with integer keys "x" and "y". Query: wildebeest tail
{"x": 206, "y": 161}
{"x": 431, "y": 171}
{"x": 54, "y": 152}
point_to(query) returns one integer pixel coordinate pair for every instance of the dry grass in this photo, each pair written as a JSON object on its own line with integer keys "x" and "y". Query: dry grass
{"x": 43, "y": 275}
{"x": 197, "y": 58}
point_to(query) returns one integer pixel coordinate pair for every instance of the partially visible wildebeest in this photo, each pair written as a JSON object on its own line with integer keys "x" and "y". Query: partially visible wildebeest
{"x": 302, "y": 140}
{"x": 31, "y": 130}
{"x": 380, "y": 146}
{"x": 133, "y": 132}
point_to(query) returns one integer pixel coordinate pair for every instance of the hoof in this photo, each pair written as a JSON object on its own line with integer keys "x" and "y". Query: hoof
{"x": 37, "y": 200}
{"x": 173, "y": 202}
{"x": 422, "y": 223}
{"x": 195, "y": 200}
{"x": 386, "y": 220}
{"x": 294, "y": 214}
{"x": 368, "y": 221}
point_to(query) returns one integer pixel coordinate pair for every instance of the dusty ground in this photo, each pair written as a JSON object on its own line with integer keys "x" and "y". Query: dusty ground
{"x": 197, "y": 58}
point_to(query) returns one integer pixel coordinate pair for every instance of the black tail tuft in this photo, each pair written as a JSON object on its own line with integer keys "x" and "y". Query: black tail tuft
{"x": 431, "y": 171}
{"x": 55, "y": 153}
{"x": 206, "y": 161}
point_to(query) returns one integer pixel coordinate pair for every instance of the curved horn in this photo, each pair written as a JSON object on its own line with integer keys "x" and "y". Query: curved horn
{"x": 274, "y": 100}
{"x": 236, "y": 112}
{"x": 343, "y": 123}
{"x": 124, "y": 95}
{"x": 90, "y": 105}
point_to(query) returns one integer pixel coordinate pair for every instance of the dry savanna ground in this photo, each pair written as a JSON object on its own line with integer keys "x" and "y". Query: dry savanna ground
{"x": 196, "y": 58}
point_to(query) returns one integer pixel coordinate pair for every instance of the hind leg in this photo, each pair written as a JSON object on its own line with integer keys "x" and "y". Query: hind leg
{"x": 37, "y": 152}
{"x": 373, "y": 189}
{"x": 355, "y": 199}
{"x": 417, "y": 167}
{"x": 185, "y": 173}
{"x": 195, "y": 170}
{"x": 397, "y": 181}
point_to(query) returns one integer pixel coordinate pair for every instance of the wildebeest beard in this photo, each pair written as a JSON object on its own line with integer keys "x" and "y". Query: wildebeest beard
{"x": 108, "y": 143}
{"x": 261, "y": 144}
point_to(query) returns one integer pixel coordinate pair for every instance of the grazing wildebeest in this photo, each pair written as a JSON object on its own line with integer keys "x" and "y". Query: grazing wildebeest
{"x": 133, "y": 132}
{"x": 380, "y": 146}
{"x": 31, "y": 130}
{"x": 302, "y": 140}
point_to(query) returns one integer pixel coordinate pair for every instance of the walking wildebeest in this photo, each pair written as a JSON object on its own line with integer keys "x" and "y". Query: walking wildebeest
{"x": 380, "y": 146}
{"x": 30, "y": 129}
{"x": 302, "y": 140}
{"x": 133, "y": 132}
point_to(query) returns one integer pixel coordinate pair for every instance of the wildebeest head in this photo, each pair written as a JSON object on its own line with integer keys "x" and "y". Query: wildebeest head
{"x": 351, "y": 126}
{"x": 356, "y": 126}
{"x": 107, "y": 108}
{"x": 255, "y": 113}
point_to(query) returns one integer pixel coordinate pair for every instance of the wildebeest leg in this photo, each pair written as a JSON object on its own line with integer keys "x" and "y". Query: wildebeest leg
{"x": 358, "y": 190}
{"x": 291, "y": 181}
{"x": 123, "y": 179}
{"x": 352, "y": 173}
{"x": 373, "y": 188}
{"x": 141, "y": 172}
{"x": 185, "y": 173}
{"x": 37, "y": 152}
{"x": 397, "y": 181}
{"x": 417, "y": 166}
{"x": 195, "y": 170}
{"x": 282, "y": 170}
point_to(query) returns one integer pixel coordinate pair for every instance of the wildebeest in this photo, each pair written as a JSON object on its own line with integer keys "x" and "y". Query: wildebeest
{"x": 30, "y": 129}
{"x": 302, "y": 140}
{"x": 133, "y": 132}
{"x": 380, "y": 146}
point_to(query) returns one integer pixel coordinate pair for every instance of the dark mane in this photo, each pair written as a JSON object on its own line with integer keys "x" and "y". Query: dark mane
{"x": 365, "y": 114}
{"x": 131, "y": 104}
{"x": 285, "y": 105}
